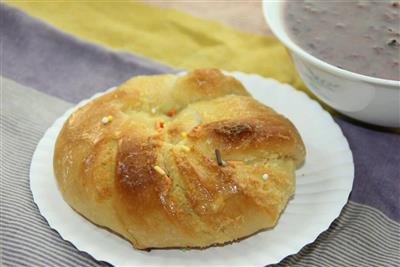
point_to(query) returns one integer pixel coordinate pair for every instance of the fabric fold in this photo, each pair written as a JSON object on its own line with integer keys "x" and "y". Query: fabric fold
{"x": 37, "y": 55}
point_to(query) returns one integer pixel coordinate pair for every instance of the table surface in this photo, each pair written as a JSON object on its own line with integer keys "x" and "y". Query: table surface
{"x": 242, "y": 15}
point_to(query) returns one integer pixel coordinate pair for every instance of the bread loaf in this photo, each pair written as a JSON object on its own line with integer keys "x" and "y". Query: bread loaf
{"x": 178, "y": 161}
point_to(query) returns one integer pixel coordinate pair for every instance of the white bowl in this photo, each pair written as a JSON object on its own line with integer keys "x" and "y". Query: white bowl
{"x": 368, "y": 99}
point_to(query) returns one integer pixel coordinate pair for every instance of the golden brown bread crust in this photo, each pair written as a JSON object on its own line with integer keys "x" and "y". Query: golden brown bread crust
{"x": 106, "y": 171}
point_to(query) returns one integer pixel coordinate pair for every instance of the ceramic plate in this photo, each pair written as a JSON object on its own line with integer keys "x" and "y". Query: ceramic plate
{"x": 323, "y": 186}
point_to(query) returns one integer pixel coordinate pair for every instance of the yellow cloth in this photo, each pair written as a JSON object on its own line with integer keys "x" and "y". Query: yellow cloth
{"x": 167, "y": 35}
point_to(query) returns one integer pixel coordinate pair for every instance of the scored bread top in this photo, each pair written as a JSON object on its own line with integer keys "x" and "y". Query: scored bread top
{"x": 141, "y": 160}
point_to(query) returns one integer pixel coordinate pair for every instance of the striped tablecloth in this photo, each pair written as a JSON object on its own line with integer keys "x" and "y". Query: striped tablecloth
{"x": 45, "y": 71}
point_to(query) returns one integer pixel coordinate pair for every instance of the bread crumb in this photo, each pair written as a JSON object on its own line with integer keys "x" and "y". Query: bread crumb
{"x": 159, "y": 124}
{"x": 171, "y": 112}
{"x": 159, "y": 170}
{"x": 106, "y": 119}
{"x": 185, "y": 148}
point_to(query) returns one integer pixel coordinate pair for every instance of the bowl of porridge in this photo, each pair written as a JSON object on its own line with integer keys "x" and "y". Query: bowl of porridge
{"x": 347, "y": 53}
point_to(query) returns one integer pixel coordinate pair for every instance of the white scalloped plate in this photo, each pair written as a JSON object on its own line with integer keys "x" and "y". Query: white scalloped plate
{"x": 323, "y": 186}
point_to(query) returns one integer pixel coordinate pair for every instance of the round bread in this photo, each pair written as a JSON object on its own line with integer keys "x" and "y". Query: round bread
{"x": 141, "y": 160}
